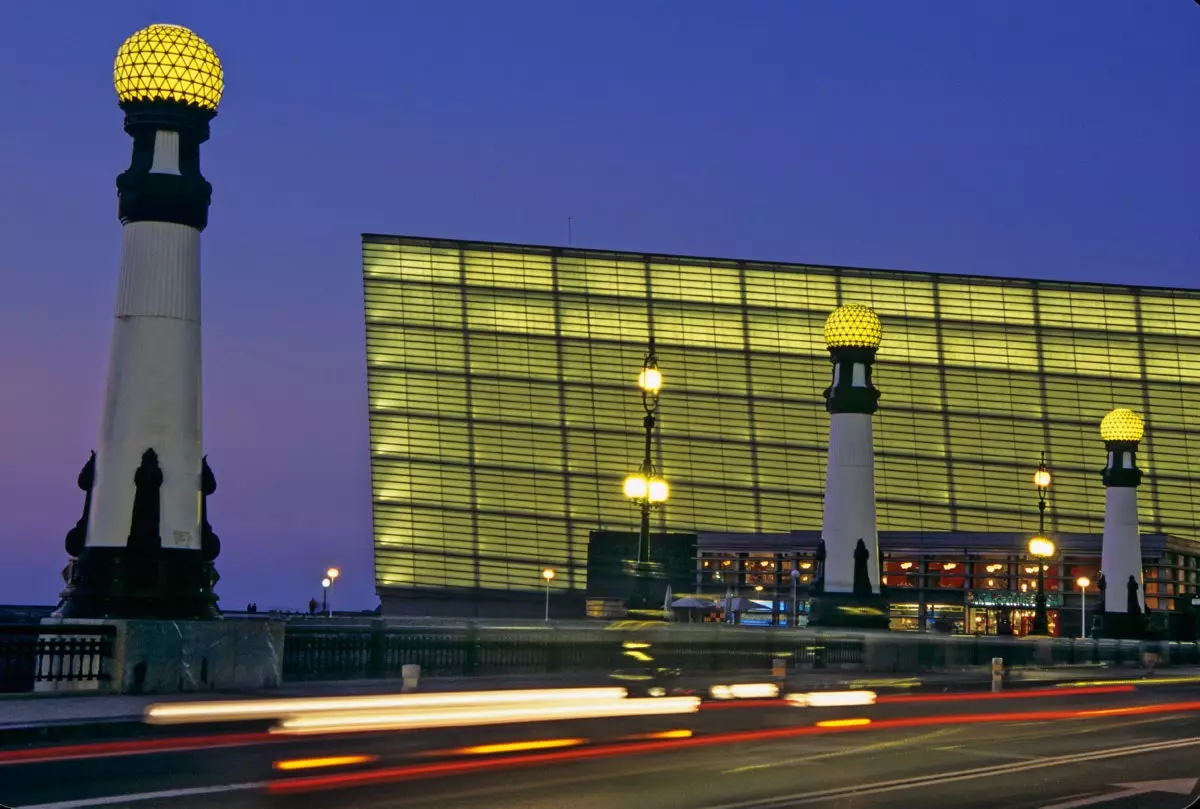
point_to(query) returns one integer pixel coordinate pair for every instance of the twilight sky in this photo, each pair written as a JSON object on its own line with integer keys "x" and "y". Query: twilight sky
{"x": 1024, "y": 138}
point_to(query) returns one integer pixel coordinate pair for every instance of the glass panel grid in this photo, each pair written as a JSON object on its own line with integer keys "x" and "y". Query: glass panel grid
{"x": 504, "y": 409}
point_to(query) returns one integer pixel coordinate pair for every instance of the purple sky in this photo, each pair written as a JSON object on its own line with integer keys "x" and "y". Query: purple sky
{"x": 1026, "y": 137}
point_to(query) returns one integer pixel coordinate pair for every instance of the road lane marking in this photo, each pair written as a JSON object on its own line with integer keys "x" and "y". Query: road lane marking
{"x": 1057, "y": 733}
{"x": 121, "y": 800}
{"x": 962, "y": 748}
{"x": 938, "y": 779}
{"x": 846, "y": 751}
{"x": 1176, "y": 786}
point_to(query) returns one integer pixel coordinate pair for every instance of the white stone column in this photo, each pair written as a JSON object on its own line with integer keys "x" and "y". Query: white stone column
{"x": 1121, "y": 550}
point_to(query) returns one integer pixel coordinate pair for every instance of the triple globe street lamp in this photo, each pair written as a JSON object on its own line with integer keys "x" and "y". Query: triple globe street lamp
{"x": 646, "y": 487}
{"x": 1041, "y": 548}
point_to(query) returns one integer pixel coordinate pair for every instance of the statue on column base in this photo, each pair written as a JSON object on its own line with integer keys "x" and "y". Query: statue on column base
{"x": 142, "y": 579}
{"x": 860, "y": 609}
{"x": 1133, "y": 624}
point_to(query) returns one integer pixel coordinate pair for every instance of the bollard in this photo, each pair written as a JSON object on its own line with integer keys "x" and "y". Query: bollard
{"x": 411, "y": 673}
{"x": 779, "y": 668}
{"x": 997, "y": 674}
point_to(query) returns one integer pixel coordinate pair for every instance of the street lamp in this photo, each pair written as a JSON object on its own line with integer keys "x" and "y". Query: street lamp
{"x": 1084, "y": 582}
{"x": 795, "y": 576}
{"x": 1041, "y": 549}
{"x": 646, "y": 487}
{"x": 331, "y": 575}
{"x": 548, "y": 575}
{"x": 1041, "y": 480}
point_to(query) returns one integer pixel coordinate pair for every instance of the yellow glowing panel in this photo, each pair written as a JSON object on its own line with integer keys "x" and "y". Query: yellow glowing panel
{"x": 904, "y": 295}
{"x": 853, "y": 325}
{"x": 168, "y": 63}
{"x": 1122, "y": 424}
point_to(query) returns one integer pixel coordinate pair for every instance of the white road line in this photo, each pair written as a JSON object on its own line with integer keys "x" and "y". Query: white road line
{"x": 895, "y": 744}
{"x": 968, "y": 751}
{"x": 121, "y": 800}
{"x": 938, "y": 779}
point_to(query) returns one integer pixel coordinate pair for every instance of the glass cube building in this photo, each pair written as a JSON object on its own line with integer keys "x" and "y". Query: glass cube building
{"x": 505, "y": 412}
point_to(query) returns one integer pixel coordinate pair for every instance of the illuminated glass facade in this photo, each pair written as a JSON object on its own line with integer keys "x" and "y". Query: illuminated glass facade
{"x": 504, "y": 409}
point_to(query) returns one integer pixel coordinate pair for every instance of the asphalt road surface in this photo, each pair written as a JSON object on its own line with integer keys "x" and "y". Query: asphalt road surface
{"x": 1109, "y": 750}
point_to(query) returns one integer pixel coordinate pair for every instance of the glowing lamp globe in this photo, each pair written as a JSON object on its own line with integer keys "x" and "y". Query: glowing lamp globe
{"x": 168, "y": 63}
{"x": 650, "y": 380}
{"x": 658, "y": 491}
{"x": 1122, "y": 425}
{"x": 853, "y": 326}
{"x": 636, "y": 487}
{"x": 1041, "y": 547}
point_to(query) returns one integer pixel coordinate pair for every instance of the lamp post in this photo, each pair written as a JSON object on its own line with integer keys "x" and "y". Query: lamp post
{"x": 1041, "y": 480}
{"x": 331, "y": 575}
{"x": 795, "y": 599}
{"x": 1084, "y": 582}
{"x": 548, "y": 575}
{"x": 1041, "y": 548}
{"x": 645, "y": 486}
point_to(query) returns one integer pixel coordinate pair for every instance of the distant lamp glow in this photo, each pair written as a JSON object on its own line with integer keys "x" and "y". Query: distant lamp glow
{"x": 168, "y": 63}
{"x": 1084, "y": 582}
{"x": 659, "y": 491}
{"x": 1122, "y": 424}
{"x": 1041, "y": 548}
{"x": 1041, "y": 478}
{"x": 332, "y": 573}
{"x": 326, "y": 582}
{"x": 853, "y": 326}
{"x": 650, "y": 379}
{"x": 548, "y": 574}
{"x": 636, "y": 487}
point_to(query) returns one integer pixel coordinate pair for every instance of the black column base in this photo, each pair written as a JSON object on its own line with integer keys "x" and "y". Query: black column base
{"x": 647, "y": 587}
{"x": 1122, "y": 626}
{"x": 848, "y": 611}
{"x": 158, "y": 584}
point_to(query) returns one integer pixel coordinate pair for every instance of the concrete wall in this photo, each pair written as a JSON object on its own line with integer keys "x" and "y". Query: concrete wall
{"x": 162, "y": 657}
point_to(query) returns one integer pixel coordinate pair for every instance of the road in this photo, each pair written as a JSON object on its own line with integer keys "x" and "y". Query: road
{"x": 1061, "y": 751}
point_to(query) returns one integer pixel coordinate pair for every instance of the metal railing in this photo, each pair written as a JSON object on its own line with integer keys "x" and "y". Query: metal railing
{"x": 30, "y": 654}
{"x": 381, "y": 648}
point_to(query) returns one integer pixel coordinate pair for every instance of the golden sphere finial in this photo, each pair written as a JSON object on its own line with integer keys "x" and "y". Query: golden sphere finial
{"x": 168, "y": 63}
{"x": 1122, "y": 424}
{"x": 853, "y": 326}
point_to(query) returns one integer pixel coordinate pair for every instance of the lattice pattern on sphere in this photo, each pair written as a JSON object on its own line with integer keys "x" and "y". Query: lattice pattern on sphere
{"x": 853, "y": 325}
{"x": 168, "y": 63}
{"x": 1122, "y": 424}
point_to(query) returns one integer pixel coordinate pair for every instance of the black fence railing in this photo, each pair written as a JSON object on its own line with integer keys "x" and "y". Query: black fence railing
{"x": 380, "y": 649}
{"x": 30, "y": 654}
